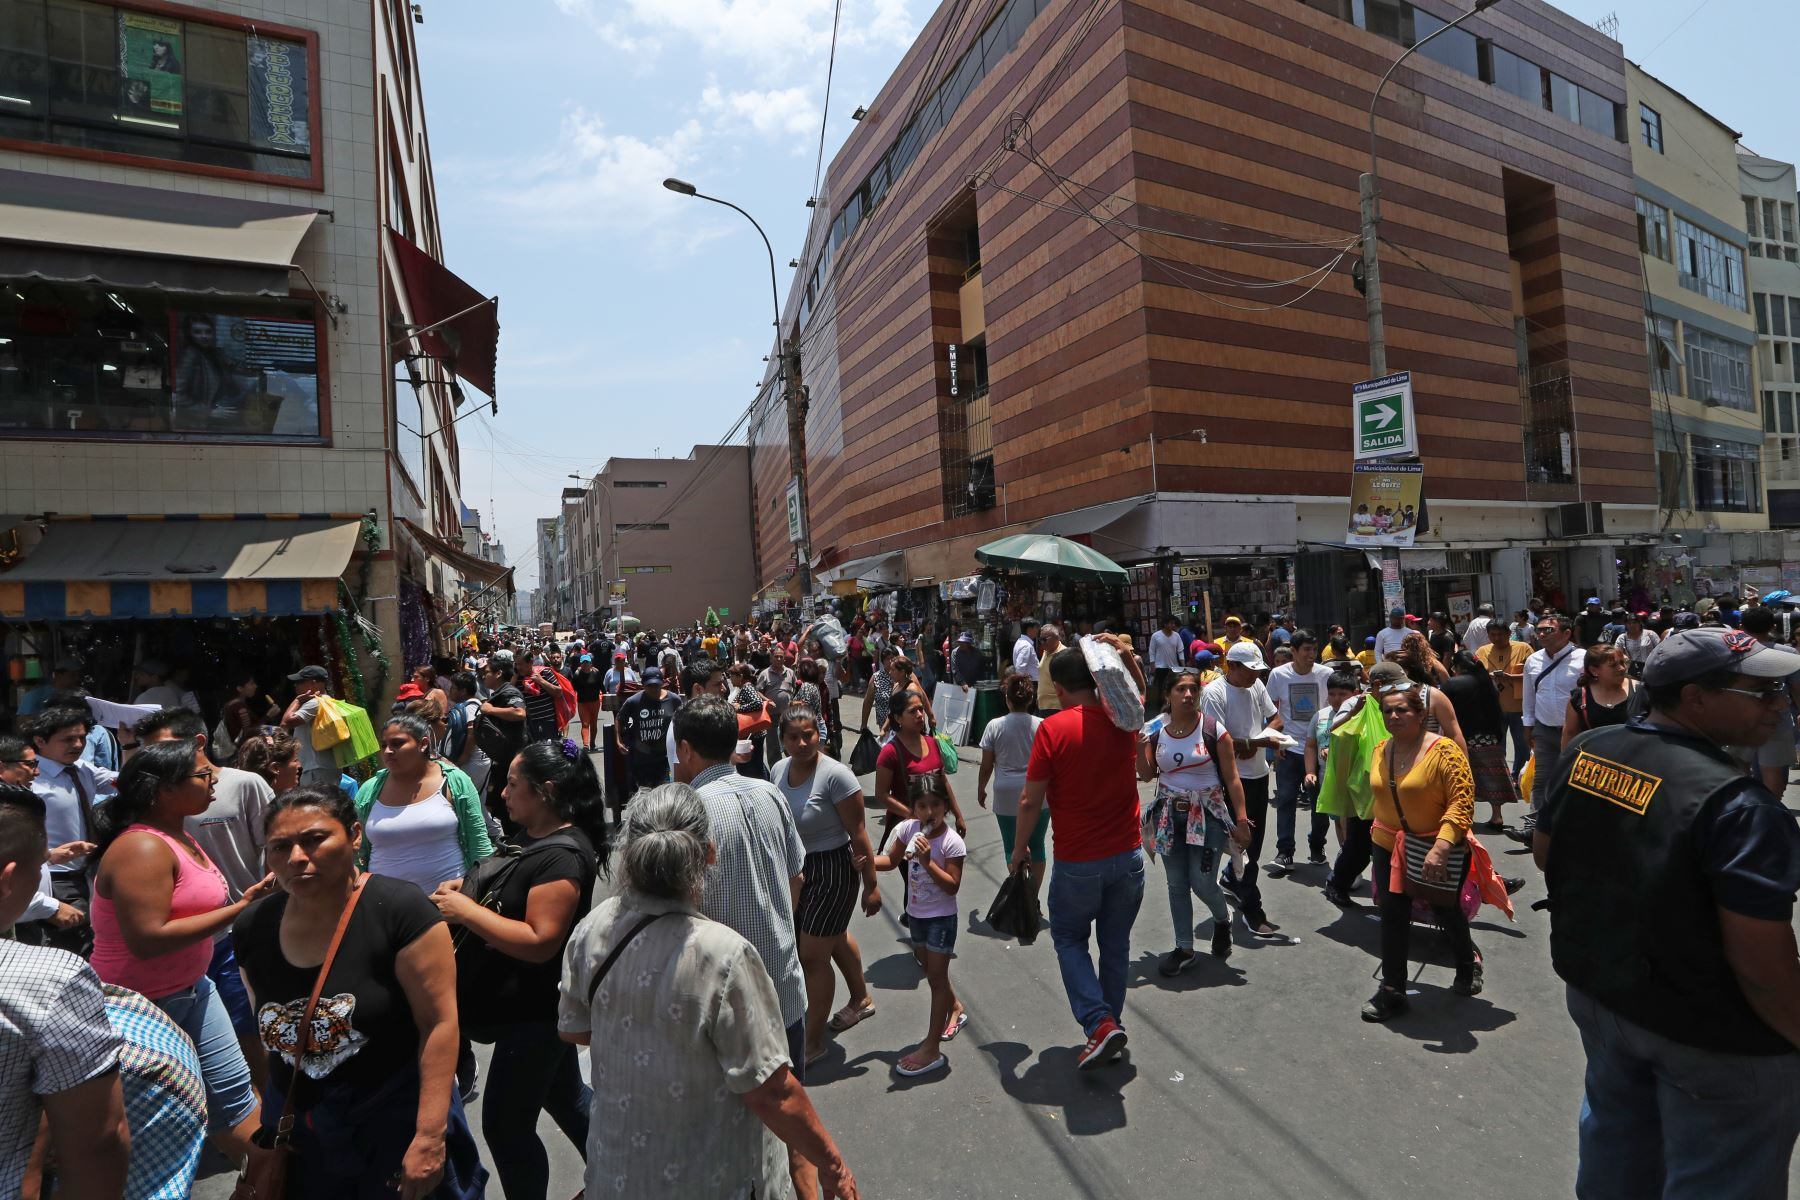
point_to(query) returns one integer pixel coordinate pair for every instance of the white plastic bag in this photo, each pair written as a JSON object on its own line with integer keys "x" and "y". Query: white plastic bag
{"x": 1118, "y": 692}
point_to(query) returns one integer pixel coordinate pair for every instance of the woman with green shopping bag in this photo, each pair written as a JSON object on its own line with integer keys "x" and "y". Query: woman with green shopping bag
{"x": 1349, "y": 742}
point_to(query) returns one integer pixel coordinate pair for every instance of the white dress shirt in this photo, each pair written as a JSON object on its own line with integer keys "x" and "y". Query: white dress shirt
{"x": 1475, "y": 636}
{"x": 1548, "y": 681}
{"x": 1024, "y": 657}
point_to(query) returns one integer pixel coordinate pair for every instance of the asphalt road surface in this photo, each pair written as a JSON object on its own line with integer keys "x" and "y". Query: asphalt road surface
{"x": 1252, "y": 1077}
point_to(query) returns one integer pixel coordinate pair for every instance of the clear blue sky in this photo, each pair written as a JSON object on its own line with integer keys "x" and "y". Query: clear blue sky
{"x": 633, "y": 321}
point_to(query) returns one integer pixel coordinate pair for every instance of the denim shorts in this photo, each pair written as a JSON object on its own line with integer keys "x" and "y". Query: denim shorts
{"x": 936, "y": 934}
{"x": 230, "y": 1096}
{"x": 223, "y": 971}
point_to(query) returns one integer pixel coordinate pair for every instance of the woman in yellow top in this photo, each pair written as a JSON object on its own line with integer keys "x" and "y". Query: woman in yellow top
{"x": 1436, "y": 794}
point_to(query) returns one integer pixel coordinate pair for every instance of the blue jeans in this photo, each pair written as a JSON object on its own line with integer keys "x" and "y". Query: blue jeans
{"x": 1103, "y": 896}
{"x": 1194, "y": 871}
{"x": 1515, "y": 727}
{"x": 532, "y": 1070}
{"x": 1290, "y": 778}
{"x": 1546, "y": 749}
{"x": 230, "y": 1096}
{"x": 223, "y": 971}
{"x": 1665, "y": 1120}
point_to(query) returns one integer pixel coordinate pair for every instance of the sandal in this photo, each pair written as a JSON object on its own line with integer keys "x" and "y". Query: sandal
{"x": 849, "y": 1016}
{"x": 954, "y": 1025}
{"x": 813, "y": 1056}
{"x": 914, "y": 1071}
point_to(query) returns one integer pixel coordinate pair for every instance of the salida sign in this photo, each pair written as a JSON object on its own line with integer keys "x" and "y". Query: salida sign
{"x": 1382, "y": 418}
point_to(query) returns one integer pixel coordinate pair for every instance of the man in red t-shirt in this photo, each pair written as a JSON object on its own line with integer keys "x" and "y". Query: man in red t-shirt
{"x": 1085, "y": 767}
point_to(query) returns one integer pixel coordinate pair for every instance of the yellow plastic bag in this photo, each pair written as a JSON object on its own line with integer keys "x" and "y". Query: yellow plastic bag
{"x": 362, "y": 741}
{"x": 329, "y": 726}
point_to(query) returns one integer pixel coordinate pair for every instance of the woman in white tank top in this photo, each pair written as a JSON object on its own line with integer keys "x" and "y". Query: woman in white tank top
{"x": 411, "y": 827}
{"x": 1197, "y": 814}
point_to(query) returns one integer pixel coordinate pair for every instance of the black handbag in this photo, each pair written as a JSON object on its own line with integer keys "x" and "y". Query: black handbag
{"x": 1014, "y": 910}
{"x": 1417, "y": 847}
{"x": 862, "y": 758}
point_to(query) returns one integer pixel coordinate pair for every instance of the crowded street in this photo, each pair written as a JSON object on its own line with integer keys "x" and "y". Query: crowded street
{"x": 1032, "y": 598}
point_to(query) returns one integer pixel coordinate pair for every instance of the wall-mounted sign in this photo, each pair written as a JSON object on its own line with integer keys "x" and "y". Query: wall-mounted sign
{"x": 953, "y": 381}
{"x": 1384, "y": 503}
{"x": 1382, "y": 418}
{"x": 796, "y": 521}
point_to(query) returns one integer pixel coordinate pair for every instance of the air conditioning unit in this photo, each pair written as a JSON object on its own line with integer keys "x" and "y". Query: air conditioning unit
{"x": 1576, "y": 520}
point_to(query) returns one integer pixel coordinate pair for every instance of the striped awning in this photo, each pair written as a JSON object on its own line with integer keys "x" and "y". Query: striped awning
{"x": 106, "y": 569}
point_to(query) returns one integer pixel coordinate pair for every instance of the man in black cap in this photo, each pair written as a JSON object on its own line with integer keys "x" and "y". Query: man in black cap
{"x": 317, "y": 767}
{"x": 1672, "y": 877}
{"x": 644, "y": 723}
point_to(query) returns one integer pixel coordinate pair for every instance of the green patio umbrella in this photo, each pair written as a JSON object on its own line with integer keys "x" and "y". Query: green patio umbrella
{"x": 1055, "y": 557}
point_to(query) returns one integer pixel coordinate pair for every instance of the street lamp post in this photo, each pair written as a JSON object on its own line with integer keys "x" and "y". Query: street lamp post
{"x": 1371, "y": 207}
{"x": 788, "y": 369}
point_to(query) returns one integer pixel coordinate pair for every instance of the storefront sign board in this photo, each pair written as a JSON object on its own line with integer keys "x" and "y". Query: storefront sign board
{"x": 1381, "y": 416}
{"x": 280, "y": 105}
{"x": 150, "y": 68}
{"x": 796, "y": 523}
{"x": 1384, "y": 503}
{"x": 1462, "y": 607}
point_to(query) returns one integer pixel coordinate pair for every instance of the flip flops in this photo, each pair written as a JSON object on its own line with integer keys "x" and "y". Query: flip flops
{"x": 954, "y": 1025}
{"x": 938, "y": 1063}
{"x": 850, "y": 1016}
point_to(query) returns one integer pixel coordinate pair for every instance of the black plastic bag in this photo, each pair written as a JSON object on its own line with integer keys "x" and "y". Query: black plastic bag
{"x": 1014, "y": 912}
{"x": 862, "y": 759}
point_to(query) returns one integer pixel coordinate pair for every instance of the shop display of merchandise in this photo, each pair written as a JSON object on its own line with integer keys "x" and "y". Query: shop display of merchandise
{"x": 1118, "y": 694}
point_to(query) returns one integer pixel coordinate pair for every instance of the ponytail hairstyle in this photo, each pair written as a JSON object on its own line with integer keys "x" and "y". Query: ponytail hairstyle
{"x": 415, "y": 727}
{"x": 1020, "y": 691}
{"x": 562, "y": 773}
{"x": 154, "y": 767}
{"x": 666, "y": 835}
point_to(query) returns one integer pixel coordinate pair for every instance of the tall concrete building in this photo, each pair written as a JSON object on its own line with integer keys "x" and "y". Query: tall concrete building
{"x": 1769, "y": 223}
{"x": 666, "y": 539}
{"x": 224, "y": 306}
{"x": 1085, "y": 268}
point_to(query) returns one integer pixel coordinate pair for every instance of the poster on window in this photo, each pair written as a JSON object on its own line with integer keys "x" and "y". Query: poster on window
{"x": 150, "y": 66}
{"x": 241, "y": 374}
{"x": 279, "y": 89}
{"x": 1384, "y": 503}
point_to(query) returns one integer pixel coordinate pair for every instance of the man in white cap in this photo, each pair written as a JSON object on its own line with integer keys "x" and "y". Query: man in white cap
{"x": 1241, "y": 703}
{"x": 1672, "y": 877}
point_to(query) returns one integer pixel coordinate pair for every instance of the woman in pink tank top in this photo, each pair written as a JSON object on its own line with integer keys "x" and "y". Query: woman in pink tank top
{"x": 158, "y": 903}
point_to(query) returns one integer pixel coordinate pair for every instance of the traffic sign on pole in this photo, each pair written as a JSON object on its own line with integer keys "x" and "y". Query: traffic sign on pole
{"x": 1381, "y": 415}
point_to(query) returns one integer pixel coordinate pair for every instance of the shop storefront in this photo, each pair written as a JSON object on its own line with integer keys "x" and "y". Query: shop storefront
{"x": 1247, "y": 588}
{"x": 1446, "y": 581}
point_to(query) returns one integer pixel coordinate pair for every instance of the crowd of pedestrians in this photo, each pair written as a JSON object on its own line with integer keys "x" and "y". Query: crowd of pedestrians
{"x": 224, "y": 939}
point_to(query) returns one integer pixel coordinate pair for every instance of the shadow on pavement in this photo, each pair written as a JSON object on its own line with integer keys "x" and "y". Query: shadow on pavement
{"x": 1205, "y": 972}
{"x": 1091, "y": 1102}
{"x": 860, "y": 1065}
{"x": 895, "y": 973}
{"x": 1447, "y": 1023}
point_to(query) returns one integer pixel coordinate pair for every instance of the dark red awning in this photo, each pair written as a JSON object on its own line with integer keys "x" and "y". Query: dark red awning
{"x": 462, "y": 326}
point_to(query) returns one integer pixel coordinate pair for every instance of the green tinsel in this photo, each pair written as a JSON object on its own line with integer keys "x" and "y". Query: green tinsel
{"x": 351, "y": 659}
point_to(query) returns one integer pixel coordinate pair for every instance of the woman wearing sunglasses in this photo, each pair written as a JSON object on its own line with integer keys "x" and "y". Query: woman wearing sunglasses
{"x": 1422, "y": 788}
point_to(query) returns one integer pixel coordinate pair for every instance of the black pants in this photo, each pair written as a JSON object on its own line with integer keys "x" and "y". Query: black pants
{"x": 1396, "y": 924}
{"x": 71, "y": 887}
{"x": 1353, "y": 857}
{"x": 532, "y": 1071}
{"x": 1256, "y": 808}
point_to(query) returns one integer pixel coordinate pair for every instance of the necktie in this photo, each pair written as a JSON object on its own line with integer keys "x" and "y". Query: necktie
{"x": 85, "y": 802}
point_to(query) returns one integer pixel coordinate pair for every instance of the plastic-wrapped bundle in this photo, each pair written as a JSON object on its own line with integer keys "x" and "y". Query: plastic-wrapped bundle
{"x": 1118, "y": 692}
{"x": 830, "y": 636}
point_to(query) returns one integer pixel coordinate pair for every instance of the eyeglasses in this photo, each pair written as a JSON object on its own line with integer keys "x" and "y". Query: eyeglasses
{"x": 1774, "y": 691}
{"x": 1547, "y": 628}
{"x": 29, "y": 763}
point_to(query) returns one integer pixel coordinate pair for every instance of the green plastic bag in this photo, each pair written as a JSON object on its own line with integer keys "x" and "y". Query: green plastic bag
{"x": 1344, "y": 791}
{"x": 362, "y": 742}
{"x": 947, "y": 751}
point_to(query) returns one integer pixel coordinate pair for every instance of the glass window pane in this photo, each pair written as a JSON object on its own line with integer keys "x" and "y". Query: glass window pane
{"x": 1768, "y": 412}
{"x": 24, "y": 74}
{"x": 1787, "y": 222}
{"x": 1597, "y": 113}
{"x": 1793, "y": 305}
{"x": 84, "y": 59}
{"x": 1778, "y": 321}
{"x": 1770, "y": 228}
{"x": 218, "y": 83}
{"x": 1565, "y": 97}
{"x": 1650, "y": 127}
{"x": 1762, "y": 314}
{"x": 1380, "y": 17}
{"x": 1458, "y": 49}
{"x": 1750, "y": 211}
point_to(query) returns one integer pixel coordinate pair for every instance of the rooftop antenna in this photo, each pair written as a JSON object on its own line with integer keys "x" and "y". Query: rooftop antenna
{"x": 1609, "y": 25}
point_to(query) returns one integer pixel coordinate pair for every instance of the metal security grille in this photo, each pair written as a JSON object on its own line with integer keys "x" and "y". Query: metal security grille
{"x": 967, "y": 438}
{"x": 1548, "y": 412}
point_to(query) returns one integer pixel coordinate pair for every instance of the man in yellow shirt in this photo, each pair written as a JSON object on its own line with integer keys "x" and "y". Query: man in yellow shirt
{"x": 1505, "y": 662}
{"x": 1234, "y": 633}
{"x": 1366, "y": 656}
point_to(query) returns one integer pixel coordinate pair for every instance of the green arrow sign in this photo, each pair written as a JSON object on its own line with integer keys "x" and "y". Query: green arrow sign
{"x": 1383, "y": 418}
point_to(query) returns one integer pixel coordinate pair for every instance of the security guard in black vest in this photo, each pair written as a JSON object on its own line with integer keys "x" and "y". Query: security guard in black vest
{"x": 1672, "y": 878}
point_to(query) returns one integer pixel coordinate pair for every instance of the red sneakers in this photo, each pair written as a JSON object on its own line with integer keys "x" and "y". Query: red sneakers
{"x": 1104, "y": 1046}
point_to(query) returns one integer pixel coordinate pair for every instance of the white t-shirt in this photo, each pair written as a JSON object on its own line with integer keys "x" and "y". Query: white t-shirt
{"x": 1244, "y": 712}
{"x": 1182, "y": 763}
{"x": 416, "y": 842}
{"x": 1008, "y": 739}
{"x": 1475, "y": 636}
{"x": 1387, "y": 640}
{"x": 163, "y": 695}
{"x": 1165, "y": 650}
{"x": 1298, "y": 698}
{"x": 924, "y": 896}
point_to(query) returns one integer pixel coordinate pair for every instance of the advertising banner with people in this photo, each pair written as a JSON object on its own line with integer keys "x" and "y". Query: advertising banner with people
{"x": 255, "y": 375}
{"x": 1385, "y": 503}
{"x": 150, "y": 58}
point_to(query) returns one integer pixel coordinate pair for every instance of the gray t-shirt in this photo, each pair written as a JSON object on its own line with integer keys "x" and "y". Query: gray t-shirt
{"x": 311, "y": 760}
{"x": 1008, "y": 739}
{"x": 814, "y": 802}
{"x": 231, "y": 828}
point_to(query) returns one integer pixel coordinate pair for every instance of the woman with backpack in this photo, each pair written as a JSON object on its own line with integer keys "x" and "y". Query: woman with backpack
{"x": 511, "y": 918}
{"x": 1198, "y": 810}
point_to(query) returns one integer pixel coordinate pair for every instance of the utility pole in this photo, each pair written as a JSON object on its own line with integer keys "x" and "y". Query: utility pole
{"x": 1369, "y": 190}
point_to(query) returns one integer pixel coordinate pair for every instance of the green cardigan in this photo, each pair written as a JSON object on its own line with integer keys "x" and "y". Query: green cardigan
{"x": 465, "y": 801}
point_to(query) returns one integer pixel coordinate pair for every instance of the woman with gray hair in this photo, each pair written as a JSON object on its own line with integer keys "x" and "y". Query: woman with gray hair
{"x": 682, "y": 1005}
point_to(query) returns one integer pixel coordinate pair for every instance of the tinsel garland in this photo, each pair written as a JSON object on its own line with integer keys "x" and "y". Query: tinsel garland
{"x": 351, "y": 659}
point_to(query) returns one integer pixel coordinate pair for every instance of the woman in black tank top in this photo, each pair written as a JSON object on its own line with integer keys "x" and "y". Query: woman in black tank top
{"x": 1605, "y": 694}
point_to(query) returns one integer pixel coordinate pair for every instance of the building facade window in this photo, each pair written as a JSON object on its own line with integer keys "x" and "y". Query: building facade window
{"x": 646, "y": 526}
{"x": 1650, "y": 126}
{"x": 1665, "y": 357}
{"x": 1727, "y": 477}
{"x": 659, "y": 569}
{"x": 110, "y": 80}
{"x": 1709, "y": 265}
{"x": 1718, "y": 371}
{"x": 81, "y": 361}
{"x": 1653, "y": 228}
{"x": 639, "y": 483}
